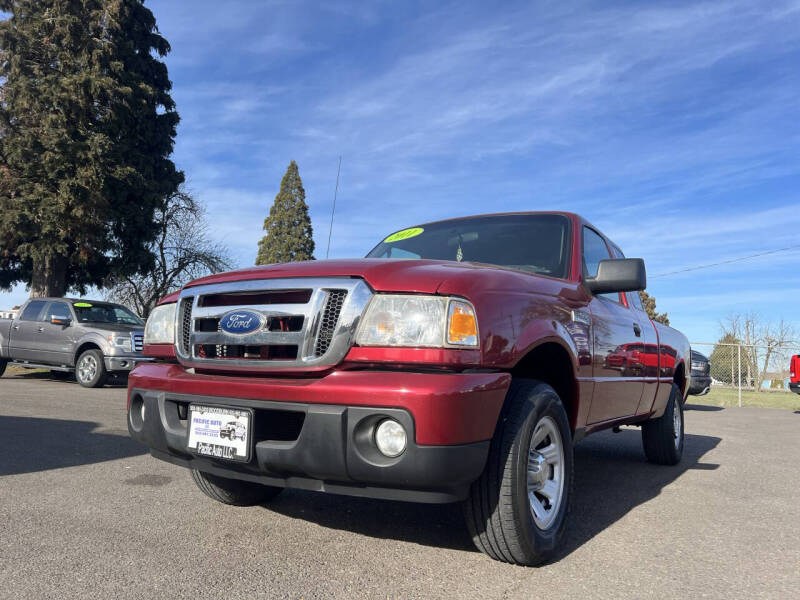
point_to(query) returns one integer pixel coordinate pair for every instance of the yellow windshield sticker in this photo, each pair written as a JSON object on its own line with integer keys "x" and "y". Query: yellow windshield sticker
{"x": 404, "y": 235}
{"x": 82, "y": 305}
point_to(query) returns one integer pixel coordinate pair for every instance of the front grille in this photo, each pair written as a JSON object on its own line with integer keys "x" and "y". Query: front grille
{"x": 330, "y": 317}
{"x": 308, "y": 322}
{"x": 186, "y": 324}
{"x": 137, "y": 341}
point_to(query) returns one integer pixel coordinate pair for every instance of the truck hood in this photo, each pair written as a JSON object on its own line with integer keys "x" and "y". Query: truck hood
{"x": 393, "y": 275}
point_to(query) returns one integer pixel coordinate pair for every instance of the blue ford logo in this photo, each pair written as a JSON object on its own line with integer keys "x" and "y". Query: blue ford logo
{"x": 240, "y": 322}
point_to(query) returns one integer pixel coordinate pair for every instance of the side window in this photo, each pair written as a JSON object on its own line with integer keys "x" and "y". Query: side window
{"x": 595, "y": 250}
{"x": 635, "y": 301}
{"x": 32, "y": 311}
{"x": 59, "y": 310}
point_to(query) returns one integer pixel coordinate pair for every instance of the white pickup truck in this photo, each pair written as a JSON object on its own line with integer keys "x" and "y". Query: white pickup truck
{"x": 91, "y": 339}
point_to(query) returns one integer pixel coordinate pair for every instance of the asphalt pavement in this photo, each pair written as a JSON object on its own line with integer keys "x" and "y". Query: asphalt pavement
{"x": 86, "y": 512}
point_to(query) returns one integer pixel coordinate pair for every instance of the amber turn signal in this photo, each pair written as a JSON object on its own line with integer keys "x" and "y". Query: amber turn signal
{"x": 462, "y": 326}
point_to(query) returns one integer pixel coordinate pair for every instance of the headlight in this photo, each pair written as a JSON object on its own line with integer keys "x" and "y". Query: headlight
{"x": 160, "y": 327}
{"x": 698, "y": 366}
{"x": 121, "y": 341}
{"x": 418, "y": 321}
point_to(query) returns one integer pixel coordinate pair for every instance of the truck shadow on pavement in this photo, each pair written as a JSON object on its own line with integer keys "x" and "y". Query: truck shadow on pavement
{"x": 612, "y": 478}
{"x": 29, "y": 445}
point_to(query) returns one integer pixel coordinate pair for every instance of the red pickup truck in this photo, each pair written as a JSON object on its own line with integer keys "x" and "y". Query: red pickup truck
{"x": 794, "y": 374}
{"x": 458, "y": 362}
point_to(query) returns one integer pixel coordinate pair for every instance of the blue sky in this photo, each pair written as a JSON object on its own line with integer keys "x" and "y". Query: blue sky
{"x": 674, "y": 127}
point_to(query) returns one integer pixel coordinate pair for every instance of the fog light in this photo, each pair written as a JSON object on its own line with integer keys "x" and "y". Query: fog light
{"x": 390, "y": 438}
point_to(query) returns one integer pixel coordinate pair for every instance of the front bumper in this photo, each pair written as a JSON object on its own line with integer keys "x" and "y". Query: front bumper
{"x": 124, "y": 363}
{"x": 795, "y": 387}
{"x": 315, "y": 434}
{"x": 700, "y": 385}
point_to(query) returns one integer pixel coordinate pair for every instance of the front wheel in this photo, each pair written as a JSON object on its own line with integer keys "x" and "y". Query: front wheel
{"x": 91, "y": 370}
{"x": 662, "y": 438}
{"x": 234, "y": 491}
{"x": 517, "y": 509}
{"x": 3, "y": 364}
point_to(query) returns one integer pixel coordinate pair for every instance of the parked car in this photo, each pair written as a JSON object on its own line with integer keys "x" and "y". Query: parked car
{"x": 92, "y": 339}
{"x": 460, "y": 361}
{"x": 701, "y": 374}
{"x": 794, "y": 374}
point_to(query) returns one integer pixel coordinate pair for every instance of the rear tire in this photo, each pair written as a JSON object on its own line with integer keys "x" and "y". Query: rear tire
{"x": 90, "y": 370}
{"x": 3, "y": 364}
{"x": 517, "y": 509}
{"x": 234, "y": 492}
{"x": 662, "y": 438}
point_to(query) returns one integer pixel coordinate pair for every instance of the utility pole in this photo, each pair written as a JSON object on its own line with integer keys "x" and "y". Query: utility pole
{"x": 333, "y": 210}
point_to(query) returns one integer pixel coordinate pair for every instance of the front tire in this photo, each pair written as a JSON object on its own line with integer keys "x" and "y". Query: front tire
{"x": 234, "y": 492}
{"x": 517, "y": 509}
{"x": 90, "y": 371}
{"x": 3, "y": 364}
{"x": 662, "y": 438}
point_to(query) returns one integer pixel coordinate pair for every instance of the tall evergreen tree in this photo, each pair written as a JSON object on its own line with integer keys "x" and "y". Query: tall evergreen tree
{"x": 289, "y": 236}
{"x": 649, "y": 303}
{"x": 87, "y": 126}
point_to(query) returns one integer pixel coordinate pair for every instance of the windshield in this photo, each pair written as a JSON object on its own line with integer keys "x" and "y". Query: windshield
{"x": 536, "y": 243}
{"x": 92, "y": 312}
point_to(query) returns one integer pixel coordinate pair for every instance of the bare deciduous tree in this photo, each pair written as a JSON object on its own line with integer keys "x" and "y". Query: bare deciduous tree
{"x": 762, "y": 342}
{"x": 183, "y": 251}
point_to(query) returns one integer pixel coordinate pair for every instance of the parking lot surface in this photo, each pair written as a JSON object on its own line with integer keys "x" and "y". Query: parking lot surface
{"x": 87, "y": 513}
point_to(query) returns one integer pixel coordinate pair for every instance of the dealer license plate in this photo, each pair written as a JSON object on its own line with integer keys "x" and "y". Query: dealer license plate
{"x": 220, "y": 432}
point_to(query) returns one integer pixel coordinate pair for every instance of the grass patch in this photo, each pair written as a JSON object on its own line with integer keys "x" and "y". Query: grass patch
{"x": 727, "y": 397}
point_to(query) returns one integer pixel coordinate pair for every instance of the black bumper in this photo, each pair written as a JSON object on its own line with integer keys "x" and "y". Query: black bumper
{"x": 318, "y": 447}
{"x": 700, "y": 385}
{"x": 795, "y": 387}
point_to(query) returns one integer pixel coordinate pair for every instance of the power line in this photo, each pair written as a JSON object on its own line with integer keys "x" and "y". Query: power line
{"x": 333, "y": 210}
{"x": 726, "y": 262}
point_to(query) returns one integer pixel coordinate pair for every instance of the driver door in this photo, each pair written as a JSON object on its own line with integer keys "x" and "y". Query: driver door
{"x": 617, "y": 368}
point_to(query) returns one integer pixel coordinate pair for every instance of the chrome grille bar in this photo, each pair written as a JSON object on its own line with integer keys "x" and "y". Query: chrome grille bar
{"x": 329, "y": 319}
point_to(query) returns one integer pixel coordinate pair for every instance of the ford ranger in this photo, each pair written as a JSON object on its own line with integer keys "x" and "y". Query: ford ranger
{"x": 93, "y": 339}
{"x": 460, "y": 361}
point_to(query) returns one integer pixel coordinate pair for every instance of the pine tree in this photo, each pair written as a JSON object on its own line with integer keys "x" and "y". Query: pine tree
{"x": 649, "y": 303}
{"x": 289, "y": 236}
{"x": 87, "y": 126}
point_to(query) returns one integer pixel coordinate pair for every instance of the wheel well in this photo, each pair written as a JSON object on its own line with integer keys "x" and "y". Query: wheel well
{"x": 680, "y": 377}
{"x": 84, "y": 347}
{"x": 550, "y": 363}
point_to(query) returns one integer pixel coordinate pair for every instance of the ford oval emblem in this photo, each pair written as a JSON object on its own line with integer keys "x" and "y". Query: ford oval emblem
{"x": 241, "y": 322}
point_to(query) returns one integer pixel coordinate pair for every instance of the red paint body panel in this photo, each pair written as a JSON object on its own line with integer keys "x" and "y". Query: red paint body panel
{"x": 165, "y": 351}
{"x": 448, "y": 408}
{"x": 794, "y": 369}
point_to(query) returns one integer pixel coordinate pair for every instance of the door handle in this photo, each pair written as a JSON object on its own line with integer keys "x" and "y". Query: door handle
{"x": 41, "y": 329}
{"x": 637, "y": 330}
{"x": 16, "y": 327}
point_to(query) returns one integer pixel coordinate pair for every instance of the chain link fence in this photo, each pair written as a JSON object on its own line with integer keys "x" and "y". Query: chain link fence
{"x": 748, "y": 367}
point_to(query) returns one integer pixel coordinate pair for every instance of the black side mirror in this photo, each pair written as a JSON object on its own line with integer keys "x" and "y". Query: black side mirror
{"x": 618, "y": 275}
{"x": 63, "y": 321}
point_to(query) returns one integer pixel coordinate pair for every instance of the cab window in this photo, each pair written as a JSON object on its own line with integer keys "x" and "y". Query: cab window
{"x": 595, "y": 250}
{"x": 58, "y": 310}
{"x": 33, "y": 310}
